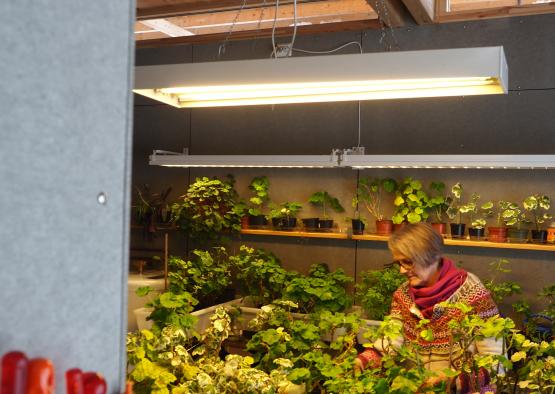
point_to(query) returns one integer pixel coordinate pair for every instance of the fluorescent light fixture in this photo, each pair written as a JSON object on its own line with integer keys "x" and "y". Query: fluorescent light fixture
{"x": 369, "y": 76}
{"x": 449, "y": 161}
{"x": 170, "y": 159}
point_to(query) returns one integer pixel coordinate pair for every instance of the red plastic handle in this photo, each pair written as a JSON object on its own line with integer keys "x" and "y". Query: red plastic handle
{"x": 94, "y": 383}
{"x": 40, "y": 377}
{"x": 14, "y": 373}
{"x": 74, "y": 381}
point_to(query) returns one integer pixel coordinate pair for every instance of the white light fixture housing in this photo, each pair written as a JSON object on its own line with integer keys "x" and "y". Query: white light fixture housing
{"x": 369, "y": 76}
{"x": 171, "y": 159}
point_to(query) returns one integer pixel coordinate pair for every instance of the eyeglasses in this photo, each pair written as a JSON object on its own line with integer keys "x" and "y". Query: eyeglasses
{"x": 405, "y": 263}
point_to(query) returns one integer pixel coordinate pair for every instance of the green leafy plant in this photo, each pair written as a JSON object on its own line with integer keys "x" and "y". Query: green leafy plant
{"x": 324, "y": 199}
{"x": 536, "y": 205}
{"x": 151, "y": 208}
{"x": 319, "y": 290}
{"x": 411, "y": 202}
{"x": 478, "y": 214}
{"x": 513, "y": 216}
{"x": 286, "y": 210}
{"x": 438, "y": 202}
{"x": 260, "y": 274}
{"x": 173, "y": 309}
{"x": 501, "y": 290}
{"x": 457, "y": 208}
{"x": 375, "y": 291}
{"x": 208, "y": 208}
{"x": 259, "y": 186}
{"x": 502, "y": 212}
{"x": 370, "y": 193}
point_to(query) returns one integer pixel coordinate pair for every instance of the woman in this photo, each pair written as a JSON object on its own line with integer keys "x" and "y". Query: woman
{"x": 432, "y": 279}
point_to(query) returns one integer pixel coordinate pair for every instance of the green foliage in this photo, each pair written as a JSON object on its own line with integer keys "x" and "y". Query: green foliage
{"x": 150, "y": 208}
{"x": 438, "y": 202}
{"x": 513, "y": 216}
{"x": 173, "y": 309}
{"x": 375, "y": 291}
{"x": 536, "y": 205}
{"x": 324, "y": 199}
{"x": 478, "y": 214}
{"x": 259, "y": 186}
{"x": 285, "y": 210}
{"x": 320, "y": 290}
{"x": 205, "y": 276}
{"x": 260, "y": 274}
{"x": 411, "y": 202}
{"x": 501, "y": 290}
{"x": 208, "y": 208}
{"x": 370, "y": 193}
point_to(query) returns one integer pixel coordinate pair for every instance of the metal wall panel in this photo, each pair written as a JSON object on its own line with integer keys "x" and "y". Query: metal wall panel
{"x": 65, "y": 132}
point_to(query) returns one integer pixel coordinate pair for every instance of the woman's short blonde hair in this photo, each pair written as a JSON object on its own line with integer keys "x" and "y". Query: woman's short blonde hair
{"x": 419, "y": 242}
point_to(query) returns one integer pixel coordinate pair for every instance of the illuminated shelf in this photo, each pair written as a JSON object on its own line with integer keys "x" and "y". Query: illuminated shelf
{"x": 384, "y": 238}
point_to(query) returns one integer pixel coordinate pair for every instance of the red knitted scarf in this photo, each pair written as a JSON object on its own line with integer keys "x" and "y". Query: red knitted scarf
{"x": 450, "y": 279}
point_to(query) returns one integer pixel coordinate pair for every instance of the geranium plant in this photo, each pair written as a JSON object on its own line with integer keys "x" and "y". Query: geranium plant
{"x": 259, "y": 186}
{"x": 370, "y": 193}
{"x": 411, "y": 202}
{"x": 324, "y": 200}
{"x": 537, "y": 205}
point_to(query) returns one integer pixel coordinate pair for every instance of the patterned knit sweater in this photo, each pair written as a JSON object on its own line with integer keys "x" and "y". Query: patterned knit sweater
{"x": 437, "y": 353}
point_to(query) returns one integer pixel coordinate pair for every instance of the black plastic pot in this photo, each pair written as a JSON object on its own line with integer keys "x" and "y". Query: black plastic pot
{"x": 539, "y": 236}
{"x": 358, "y": 226}
{"x": 457, "y": 230}
{"x": 477, "y": 234}
{"x": 257, "y": 220}
{"x": 311, "y": 223}
{"x": 284, "y": 223}
{"x": 517, "y": 235}
{"x": 326, "y": 224}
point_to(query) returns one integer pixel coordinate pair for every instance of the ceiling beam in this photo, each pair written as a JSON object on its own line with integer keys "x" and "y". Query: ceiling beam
{"x": 392, "y": 12}
{"x": 498, "y": 12}
{"x": 149, "y": 9}
{"x": 263, "y": 33}
{"x": 167, "y": 27}
{"x": 422, "y": 11}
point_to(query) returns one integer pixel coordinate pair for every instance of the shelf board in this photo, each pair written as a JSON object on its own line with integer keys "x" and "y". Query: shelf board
{"x": 302, "y": 234}
{"x": 384, "y": 238}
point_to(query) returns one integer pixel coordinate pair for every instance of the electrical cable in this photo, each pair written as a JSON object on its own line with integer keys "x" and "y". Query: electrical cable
{"x": 331, "y": 50}
{"x": 274, "y": 54}
{"x": 294, "y": 28}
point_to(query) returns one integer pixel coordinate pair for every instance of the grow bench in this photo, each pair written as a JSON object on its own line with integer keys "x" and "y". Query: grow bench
{"x": 384, "y": 238}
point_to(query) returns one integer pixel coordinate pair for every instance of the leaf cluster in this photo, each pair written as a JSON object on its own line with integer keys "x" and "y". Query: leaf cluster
{"x": 324, "y": 199}
{"x": 375, "y": 291}
{"x": 285, "y": 210}
{"x": 411, "y": 202}
{"x": 370, "y": 193}
{"x": 260, "y": 189}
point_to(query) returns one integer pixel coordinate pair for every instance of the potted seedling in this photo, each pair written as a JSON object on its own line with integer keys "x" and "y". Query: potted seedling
{"x": 284, "y": 216}
{"x": 370, "y": 193}
{"x": 498, "y": 233}
{"x": 411, "y": 203}
{"x": 455, "y": 211}
{"x": 438, "y": 205}
{"x": 259, "y": 186}
{"x": 536, "y": 205}
{"x": 515, "y": 218}
{"x": 478, "y": 215}
{"x": 324, "y": 200}
{"x": 358, "y": 223}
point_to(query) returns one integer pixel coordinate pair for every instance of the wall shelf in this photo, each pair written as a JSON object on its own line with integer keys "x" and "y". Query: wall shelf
{"x": 384, "y": 238}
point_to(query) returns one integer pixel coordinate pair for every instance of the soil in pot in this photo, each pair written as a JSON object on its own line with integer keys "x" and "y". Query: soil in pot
{"x": 539, "y": 236}
{"x": 358, "y": 226}
{"x": 477, "y": 234}
{"x": 497, "y": 234}
{"x": 311, "y": 223}
{"x": 441, "y": 228}
{"x": 257, "y": 220}
{"x": 517, "y": 235}
{"x": 384, "y": 227}
{"x": 325, "y": 224}
{"x": 457, "y": 230}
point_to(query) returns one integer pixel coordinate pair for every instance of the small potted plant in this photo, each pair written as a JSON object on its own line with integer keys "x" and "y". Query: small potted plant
{"x": 455, "y": 211}
{"x": 498, "y": 233}
{"x": 536, "y": 205}
{"x": 478, "y": 215}
{"x": 370, "y": 193}
{"x": 515, "y": 218}
{"x": 411, "y": 203}
{"x": 358, "y": 223}
{"x": 259, "y": 186}
{"x": 284, "y": 216}
{"x": 438, "y": 205}
{"x": 324, "y": 199}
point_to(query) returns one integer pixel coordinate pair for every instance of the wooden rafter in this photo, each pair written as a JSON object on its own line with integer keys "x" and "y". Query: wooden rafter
{"x": 263, "y": 33}
{"x": 494, "y": 12}
{"x": 392, "y": 12}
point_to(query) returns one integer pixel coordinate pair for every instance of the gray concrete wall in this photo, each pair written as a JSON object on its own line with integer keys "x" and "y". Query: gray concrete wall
{"x": 520, "y": 123}
{"x": 66, "y": 71}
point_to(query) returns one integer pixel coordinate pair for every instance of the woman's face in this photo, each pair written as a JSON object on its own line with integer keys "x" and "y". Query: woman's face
{"x": 417, "y": 275}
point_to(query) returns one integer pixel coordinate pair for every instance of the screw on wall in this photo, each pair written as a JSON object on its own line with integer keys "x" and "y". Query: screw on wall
{"x": 101, "y": 198}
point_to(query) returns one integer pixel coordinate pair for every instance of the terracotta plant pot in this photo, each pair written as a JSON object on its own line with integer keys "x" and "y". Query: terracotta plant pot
{"x": 399, "y": 226}
{"x": 245, "y": 222}
{"x": 358, "y": 226}
{"x": 257, "y": 221}
{"x": 517, "y": 235}
{"x": 441, "y": 228}
{"x": 539, "y": 236}
{"x": 477, "y": 234}
{"x": 384, "y": 227}
{"x": 497, "y": 234}
{"x": 311, "y": 223}
{"x": 457, "y": 230}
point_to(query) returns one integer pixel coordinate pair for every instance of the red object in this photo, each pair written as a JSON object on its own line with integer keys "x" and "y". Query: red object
{"x": 384, "y": 227}
{"x": 94, "y": 383}
{"x": 450, "y": 279}
{"x": 40, "y": 377}
{"x": 74, "y": 381}
{"x": 370, "y": 358}
{"x": 14, "y": 373}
